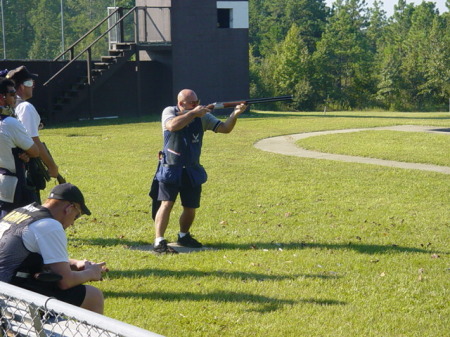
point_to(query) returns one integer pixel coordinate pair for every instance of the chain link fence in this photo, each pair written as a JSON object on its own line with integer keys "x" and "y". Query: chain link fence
{"x": 25, "y": 313}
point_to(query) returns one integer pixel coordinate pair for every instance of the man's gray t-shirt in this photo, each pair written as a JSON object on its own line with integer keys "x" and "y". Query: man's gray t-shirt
{"x": 209, "y": 121}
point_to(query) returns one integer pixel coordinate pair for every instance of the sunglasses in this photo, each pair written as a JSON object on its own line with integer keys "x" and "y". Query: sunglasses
{"x": 11, "y": 92}
{"x": 197, "y": 102}
{"x": 28, "y": 83}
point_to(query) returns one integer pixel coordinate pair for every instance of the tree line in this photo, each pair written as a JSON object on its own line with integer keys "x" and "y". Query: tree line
{"x": 349, "y": 56}
{"x": 37, "y": 29}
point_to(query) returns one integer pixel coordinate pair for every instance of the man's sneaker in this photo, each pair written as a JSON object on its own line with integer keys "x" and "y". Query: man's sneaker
{"x": 188, "y": 241}
{"x": 163, "y": 248}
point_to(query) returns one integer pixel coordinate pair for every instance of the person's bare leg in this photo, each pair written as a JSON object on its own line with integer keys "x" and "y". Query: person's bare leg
{"x": 187, "y": 219}
{"x": 93, "y": 300}
{"x": 162, "y": 218}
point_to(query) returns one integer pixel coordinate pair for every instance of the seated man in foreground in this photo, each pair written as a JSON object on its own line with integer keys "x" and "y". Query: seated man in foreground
{"x": 33, "y": 250}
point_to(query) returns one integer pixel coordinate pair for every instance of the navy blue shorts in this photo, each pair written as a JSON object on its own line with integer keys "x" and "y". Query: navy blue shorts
{"x": 189, "y": 195}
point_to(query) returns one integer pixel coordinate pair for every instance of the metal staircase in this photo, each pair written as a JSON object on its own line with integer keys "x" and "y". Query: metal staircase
{"x": 80, "y": 90}
{"x": 100, "y": 72}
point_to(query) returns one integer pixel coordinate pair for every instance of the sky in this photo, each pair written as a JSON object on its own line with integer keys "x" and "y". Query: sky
{"x": 389, "y": 4}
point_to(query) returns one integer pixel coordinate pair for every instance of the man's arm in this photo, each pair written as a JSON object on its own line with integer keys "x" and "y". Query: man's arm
{"x": 22, "y": 140}
{"x": 32, "y": 152}
{"x": 180, "y": 121}
{"x": 72, "y": 278}
{"x": 46, "y": 158}
{"x": 228, "y": 125}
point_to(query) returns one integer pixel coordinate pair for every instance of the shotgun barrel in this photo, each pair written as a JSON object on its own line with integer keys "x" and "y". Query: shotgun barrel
{"x": 223, "y": 105}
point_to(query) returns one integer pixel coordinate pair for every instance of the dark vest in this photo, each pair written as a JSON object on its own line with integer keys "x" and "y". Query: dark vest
{"x": 182, "y": 150}
{"x": 13, "y": 254}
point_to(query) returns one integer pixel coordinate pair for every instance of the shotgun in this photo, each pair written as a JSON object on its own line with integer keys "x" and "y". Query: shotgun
{"x": 224, "y": 105}
{"x": 59, "y": 178}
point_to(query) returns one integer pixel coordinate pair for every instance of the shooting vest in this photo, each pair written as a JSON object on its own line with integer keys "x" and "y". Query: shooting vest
{"x": 13, "y": 254}
{"x": 182, "y": 151}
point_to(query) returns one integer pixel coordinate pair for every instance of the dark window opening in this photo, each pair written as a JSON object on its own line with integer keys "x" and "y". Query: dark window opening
{"x": 223, "y": 17}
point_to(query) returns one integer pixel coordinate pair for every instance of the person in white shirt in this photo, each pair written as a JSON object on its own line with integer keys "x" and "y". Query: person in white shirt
{"x": 16, "y": 146}
{"x": 33, "y": 250}
{"x": 28, "y": 115}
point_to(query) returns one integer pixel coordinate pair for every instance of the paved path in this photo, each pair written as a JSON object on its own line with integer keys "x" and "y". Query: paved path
{"x": 286, "y": 145}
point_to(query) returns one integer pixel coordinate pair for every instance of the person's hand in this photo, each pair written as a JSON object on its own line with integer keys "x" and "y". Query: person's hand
{"x": 200, "y": 110}
{"x": 96, "y": 269}
{"x": 239, "y": 109}
{"x": 53, "y": 171}
{"x": 79, "y": 265}
{"x": 24, "y": 157}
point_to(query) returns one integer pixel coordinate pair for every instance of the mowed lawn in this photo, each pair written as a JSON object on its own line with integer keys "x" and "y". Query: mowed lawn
{"x": 302, "y": 247}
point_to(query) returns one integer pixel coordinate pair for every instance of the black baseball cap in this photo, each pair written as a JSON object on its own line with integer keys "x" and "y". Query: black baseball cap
{"x": 69, "y": 192}
{"x": 20, "y": 75}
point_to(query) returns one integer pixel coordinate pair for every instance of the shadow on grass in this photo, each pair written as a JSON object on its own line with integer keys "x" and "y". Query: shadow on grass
{"x": 359, "y": 247}
{"x": 264, "y": 303}
{"x": 356, "y": 246}
{"x": 242, "y": 276}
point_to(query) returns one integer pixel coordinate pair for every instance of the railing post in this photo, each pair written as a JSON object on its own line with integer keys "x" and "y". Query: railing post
{"x": 72, "y": 53}
{"x": 121, "y": 34}
{"x": 136, "y": 25}
{"x": 138, "y": 61}
{"x": 138, "y": 80}
{"x": 89, "y": 83}
{"x": 50, "y": 102}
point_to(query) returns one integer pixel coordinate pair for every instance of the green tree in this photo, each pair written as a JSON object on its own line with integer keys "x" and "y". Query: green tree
{"x": 33, "y": 27}
{"x": 415, "y": 59}
{"x": 344, "y": 59}
{"x": 418, "y": 51}
{"x": 390, "y": 87}
{"x": 377, "y": 23}
{"x": 18, "y": 30}
{"x": 81, "y": 16}
{"x": 288, "y": 69}
{"x": 270, "y": 22}
{"x": 47, "y": 39}
{"x": 437, "y": 64}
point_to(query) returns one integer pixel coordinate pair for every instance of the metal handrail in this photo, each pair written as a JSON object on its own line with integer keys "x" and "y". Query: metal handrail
{"x": 85, "y": 35}
{"x": 87, "y": 49}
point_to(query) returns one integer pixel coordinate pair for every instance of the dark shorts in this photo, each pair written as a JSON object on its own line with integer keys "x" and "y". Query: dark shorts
{"x": 74, "y": 295}
{"x": 189, "y": 195}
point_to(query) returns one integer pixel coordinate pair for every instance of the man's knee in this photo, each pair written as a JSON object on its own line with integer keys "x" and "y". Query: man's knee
{"x": 166, "y": 206}
{"x": 93, "y": 300}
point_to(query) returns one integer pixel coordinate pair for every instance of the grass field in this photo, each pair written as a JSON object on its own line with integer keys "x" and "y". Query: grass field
{"x": 304, "y": 247}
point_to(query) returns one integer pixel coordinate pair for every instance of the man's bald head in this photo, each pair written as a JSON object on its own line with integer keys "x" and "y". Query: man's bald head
{"x": 187, "y": 95}
{"x": 187, "y": 100}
